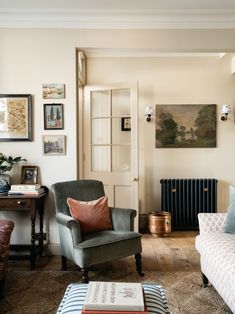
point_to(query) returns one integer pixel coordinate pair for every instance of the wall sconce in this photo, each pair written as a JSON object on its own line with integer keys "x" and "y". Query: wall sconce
{"x": 224, "y": 112}
{"x": 148, "y": 113}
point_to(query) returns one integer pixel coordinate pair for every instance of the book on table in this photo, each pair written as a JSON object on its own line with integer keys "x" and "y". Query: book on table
{"x": 25, "y": 187}
{"x": 26, "y": 192}
{"x": 110, "y": 297}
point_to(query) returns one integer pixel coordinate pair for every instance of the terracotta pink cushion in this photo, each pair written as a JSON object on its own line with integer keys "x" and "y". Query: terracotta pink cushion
{"x": 92, "y": 216}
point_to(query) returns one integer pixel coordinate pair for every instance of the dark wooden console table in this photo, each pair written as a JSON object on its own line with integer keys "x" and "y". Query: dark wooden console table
{"x": 34, "y": 204}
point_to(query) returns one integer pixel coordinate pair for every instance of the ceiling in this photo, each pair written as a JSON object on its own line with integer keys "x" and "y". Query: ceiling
{"x": 118, "y": 14}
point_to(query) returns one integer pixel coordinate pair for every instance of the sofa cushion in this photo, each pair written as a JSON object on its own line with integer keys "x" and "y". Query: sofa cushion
{"x": 108, "y": 245}
{"x": 230, "y": 219}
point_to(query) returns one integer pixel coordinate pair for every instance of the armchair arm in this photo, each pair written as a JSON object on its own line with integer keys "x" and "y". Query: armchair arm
{"x": 72, "y": 224}
{"x": 122, "y": 218}
{"x": 211, "y": 222}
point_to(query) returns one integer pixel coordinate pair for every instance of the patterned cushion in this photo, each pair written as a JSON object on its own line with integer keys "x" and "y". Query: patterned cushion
{"x": 75, "y": 293}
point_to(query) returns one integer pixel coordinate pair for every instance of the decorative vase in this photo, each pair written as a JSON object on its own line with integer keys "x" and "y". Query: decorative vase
{"x": 4, "y": 183}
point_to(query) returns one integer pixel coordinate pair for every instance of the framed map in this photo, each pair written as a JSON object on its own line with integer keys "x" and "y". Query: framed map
{"x": 15, "y": 117}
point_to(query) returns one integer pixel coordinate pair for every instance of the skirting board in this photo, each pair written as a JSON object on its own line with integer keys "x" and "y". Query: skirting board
{"x": 143, "y": 223}
{"x": 53, "y": 249}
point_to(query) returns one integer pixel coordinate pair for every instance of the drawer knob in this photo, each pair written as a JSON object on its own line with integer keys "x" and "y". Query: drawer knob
{"x": 20, "y": 203}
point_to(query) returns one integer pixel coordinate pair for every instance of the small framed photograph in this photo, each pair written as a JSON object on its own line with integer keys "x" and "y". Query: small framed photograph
{"x": 53, "y": 145}
{"x": 53, "y": 91}
{"x": 53, "y": 117}
{"x": 126, "y": 123}
{"x": 29, "y": 174}
{"x": 15, "y": 117}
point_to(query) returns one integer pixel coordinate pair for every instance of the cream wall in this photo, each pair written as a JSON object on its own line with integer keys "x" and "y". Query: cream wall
{"x": 176, "y": 80}
{"x": 30, "y": 57}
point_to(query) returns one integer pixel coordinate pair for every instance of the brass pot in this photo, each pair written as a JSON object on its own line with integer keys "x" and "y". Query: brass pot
{"x": 159, "y": 223}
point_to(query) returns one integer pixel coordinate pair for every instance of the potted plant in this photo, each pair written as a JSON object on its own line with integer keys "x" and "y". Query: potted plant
{"x": 6, "y": 164}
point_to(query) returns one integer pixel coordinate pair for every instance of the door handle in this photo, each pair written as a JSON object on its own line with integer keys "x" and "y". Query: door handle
{"x": 134, "y": 179}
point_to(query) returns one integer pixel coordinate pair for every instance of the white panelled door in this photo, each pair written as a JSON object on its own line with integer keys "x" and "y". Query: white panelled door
{"x": 110, "y": 142}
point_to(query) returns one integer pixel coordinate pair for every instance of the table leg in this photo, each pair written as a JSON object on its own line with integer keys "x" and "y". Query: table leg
{"x": 41, "y": 237}
{"x": 33, "y": 238}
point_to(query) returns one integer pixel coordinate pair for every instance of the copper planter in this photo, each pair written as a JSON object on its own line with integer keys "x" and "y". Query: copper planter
{"x": 160, "y": 223}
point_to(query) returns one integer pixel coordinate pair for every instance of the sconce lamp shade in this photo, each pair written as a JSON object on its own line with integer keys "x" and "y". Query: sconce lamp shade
{"x": 225, "y": 109}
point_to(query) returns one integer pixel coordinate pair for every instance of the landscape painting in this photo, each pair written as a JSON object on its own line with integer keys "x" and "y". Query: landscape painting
{"x": 184, "y": 126}
{"x": 53, "y": 91}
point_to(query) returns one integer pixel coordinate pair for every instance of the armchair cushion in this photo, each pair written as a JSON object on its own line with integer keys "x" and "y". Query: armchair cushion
{"x": 230, "y": 219}
{"x": 92, "y": 216}
{"x": 103, "y": 246}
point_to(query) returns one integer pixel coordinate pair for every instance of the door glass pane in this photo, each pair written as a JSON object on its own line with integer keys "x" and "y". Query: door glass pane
{"x": 121, "y": 100}
{"x": 100, "y": 131}
{"x": 100, "y": 104}
{"x": 119, "y": 134}
{"x": 121, "y": 158}
{"x": 101, "y": 158}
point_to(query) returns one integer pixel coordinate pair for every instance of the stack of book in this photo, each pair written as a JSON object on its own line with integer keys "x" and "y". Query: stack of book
{"x": 114, "y": 298}
{"x": 26, "y": 189}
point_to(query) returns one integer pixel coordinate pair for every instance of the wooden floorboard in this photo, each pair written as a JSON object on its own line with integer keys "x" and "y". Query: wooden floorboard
{"x": 176, "y": 252}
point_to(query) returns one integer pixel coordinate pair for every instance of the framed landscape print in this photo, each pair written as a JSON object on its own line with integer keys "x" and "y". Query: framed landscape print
{"x": 53, "y": 145}
{"x": 15, "y": 117}
{"x": 53, "y": 117}
{"x": 53, "y": 91}
{"x": 185, "y": 126}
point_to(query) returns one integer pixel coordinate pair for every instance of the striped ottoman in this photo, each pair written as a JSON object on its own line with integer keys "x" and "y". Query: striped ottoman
{"x": 75, "y": 293}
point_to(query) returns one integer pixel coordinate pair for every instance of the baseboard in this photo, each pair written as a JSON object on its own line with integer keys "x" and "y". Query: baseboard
{"x": 52, "y": 249}
{"x": 143, "y": 223}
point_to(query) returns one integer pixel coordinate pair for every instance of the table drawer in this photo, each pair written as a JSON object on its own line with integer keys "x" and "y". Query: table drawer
{"x": 19, "y": 204}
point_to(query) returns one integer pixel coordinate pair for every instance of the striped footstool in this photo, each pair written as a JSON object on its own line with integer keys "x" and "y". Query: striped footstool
{"x": 75, "y": 293}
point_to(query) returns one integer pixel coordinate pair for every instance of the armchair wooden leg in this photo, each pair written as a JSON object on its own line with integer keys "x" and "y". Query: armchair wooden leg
{"x": 85, "y": 278}
{"x": 138, "y": 263}
{"x": 63, "y": 263}
{"x": 205, "y": 281}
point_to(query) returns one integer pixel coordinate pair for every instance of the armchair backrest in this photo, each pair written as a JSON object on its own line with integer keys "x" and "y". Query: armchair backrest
{"x": 83, "y": 190}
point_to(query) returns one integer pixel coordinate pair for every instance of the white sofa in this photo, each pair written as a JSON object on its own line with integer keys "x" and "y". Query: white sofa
{"x": 217, "y": 255}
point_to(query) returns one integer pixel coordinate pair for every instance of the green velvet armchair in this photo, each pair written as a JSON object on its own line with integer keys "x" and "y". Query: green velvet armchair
{"x": 96, "y": 247}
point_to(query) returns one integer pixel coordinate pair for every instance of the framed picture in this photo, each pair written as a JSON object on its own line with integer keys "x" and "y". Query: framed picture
{"x": 53, "y": 145}
{"x": 15, "y": 117}
{"x": 185, "y": 126}
{"x": 126, "y": 123}
{"x": 53, "y": 91}
{"x": 53, "y": 117}
{"x": 29, "y": 174}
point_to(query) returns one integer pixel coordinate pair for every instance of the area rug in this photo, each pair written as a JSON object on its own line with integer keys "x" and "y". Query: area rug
{"x": 40, "y": 292}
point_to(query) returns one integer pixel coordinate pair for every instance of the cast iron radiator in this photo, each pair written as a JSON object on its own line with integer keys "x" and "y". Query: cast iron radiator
{"x": 185, "y": 198}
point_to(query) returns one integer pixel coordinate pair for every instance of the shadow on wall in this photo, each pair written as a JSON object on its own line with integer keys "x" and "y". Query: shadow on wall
{"x": 222, "y": 196}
